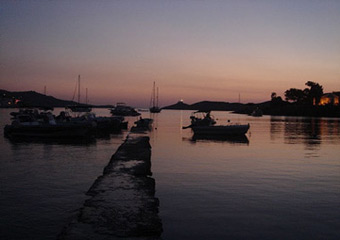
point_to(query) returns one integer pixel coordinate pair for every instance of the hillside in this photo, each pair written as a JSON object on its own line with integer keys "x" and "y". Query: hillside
{"x": 206, "y": 105}
{"x": 30, "y": 99}
{"x": 178, "y": 106}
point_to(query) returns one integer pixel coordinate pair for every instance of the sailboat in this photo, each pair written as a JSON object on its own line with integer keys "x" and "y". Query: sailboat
{"x": 154, "y": 100}
{"x": 79, "y": 107}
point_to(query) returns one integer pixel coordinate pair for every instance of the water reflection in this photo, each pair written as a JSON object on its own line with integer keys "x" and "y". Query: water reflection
{"x": 312, "y": 132}
{"x": 71, "y": 142}
{"x": 302, "y": 130}
{"x": 230, "y": 139}
{"x": 233, "y": 140}
{"x": 275, "y": 127}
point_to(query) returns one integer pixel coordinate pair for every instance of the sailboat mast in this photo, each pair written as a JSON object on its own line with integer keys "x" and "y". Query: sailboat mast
{"x": 157, "y": 98}
{"x": 153, "y": 94}
{"x": 78, "y": 88}
{"x": 86, "y": 97}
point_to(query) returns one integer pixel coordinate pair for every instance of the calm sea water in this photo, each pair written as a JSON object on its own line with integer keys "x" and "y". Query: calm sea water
{"x": 281, "y": 182}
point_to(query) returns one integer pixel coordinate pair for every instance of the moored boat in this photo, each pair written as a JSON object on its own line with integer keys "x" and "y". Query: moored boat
{"x": 154, "y": 108}
{"x": 32, "y": 124}
{"x": 78, "y": 108}
{"x": 123, "y": 110}
{"x": 204, "y": 125}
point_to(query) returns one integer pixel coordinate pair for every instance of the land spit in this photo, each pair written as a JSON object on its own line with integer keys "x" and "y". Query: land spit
{"x": 122, "y": 201}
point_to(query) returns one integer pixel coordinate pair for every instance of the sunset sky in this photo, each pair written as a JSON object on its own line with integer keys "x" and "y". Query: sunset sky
{"x": 194, "y": 50}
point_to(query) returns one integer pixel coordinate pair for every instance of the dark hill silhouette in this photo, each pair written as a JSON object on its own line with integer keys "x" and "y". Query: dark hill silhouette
{"x": 178, "y": 106}
{"x": 217, "y": 106}
{"x": 34, "y": 99}
{"x": 206, "y": 105}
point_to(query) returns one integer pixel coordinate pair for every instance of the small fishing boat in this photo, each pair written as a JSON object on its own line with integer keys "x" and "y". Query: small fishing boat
{"x": 123, "y": 110}
{"x": 107, "y": 124}
{"x": 205, "y": 126}
{"x": 154, "y": 108}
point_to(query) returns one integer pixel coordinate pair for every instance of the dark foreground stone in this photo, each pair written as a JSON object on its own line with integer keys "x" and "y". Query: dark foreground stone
{"x": 122, "y": 202}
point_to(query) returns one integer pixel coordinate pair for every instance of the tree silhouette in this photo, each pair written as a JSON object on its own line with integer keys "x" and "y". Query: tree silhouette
{"x": 295, "y": 95}
{"x": 273, "y": 95}
{"x": 310, "y": 96}
{"x": 314, "y": 93}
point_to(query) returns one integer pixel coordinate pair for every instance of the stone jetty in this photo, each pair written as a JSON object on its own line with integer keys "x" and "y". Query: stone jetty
{"x": 122, "y": 201}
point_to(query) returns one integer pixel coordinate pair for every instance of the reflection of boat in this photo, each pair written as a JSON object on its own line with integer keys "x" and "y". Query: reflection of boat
{"x": 123, "y": 110}
{"x": 201, "y": 118}
{"x": 79, "y": 107}
{"x": 143, "y": 124}
{"x": 242, "y": 139}
{"x": 154, "y": 108}
{"x": 221, "y": 130}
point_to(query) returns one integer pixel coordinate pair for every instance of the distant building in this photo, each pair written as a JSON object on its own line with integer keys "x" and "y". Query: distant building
{"x": 330, "y": 99}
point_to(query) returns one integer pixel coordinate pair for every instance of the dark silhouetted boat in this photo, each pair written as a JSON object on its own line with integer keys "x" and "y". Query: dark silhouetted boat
{"x": 154, "y": 108}
{"x": 204, "y": 125}
{"x": 142, "y": 125}
{"x": 123, "y": 110}
{"x": 79, "y": 107}
{"x": 33, "y": 124}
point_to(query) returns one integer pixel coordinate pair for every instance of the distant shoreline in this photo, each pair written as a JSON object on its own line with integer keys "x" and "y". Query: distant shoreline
{"x": 33, "y": 99}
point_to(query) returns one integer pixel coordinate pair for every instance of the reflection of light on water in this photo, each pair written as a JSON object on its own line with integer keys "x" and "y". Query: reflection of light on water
{"x": 181, "y": 122}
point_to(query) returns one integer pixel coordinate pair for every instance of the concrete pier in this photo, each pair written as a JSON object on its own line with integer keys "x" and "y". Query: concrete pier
{"x": 122, "y": 202}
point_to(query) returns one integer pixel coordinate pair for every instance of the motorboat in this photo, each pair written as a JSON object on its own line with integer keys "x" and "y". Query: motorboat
{"x": 123, "y": 110}
{"x": 204, "y": 125}
{"x": 109, "y": 124}
{"x": 33, "y": 124}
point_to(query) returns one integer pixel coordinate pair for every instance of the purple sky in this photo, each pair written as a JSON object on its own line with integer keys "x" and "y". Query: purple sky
{"x": 194, "y": 50}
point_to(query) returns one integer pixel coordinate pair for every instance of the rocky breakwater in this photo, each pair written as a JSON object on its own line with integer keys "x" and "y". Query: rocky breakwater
{"x": 122, "y": 202}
